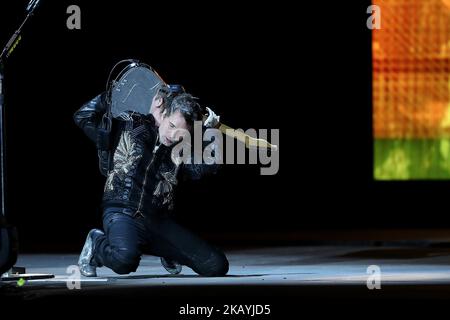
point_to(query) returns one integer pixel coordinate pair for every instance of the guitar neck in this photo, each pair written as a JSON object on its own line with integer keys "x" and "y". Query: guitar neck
{"x": 239, "y": 135}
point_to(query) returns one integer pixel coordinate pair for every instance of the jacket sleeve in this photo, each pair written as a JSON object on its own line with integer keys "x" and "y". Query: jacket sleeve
{"x": 198, "y": 171}
{"x": 192, "y": 171}
{"x": 89, "y": 117}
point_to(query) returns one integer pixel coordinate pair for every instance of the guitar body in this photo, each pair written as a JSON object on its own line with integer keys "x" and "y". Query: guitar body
{"x": 134, "y": 89}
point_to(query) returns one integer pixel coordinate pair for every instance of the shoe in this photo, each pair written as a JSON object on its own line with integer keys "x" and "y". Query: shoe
{"x": 171, "y": 266}
{"x": 88, "y": 268}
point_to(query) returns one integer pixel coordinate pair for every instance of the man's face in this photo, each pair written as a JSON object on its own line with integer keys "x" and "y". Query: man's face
{"x": 172, "y": 128}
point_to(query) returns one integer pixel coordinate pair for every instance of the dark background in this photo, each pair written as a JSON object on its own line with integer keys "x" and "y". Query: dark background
{"x": 305, "y": 71}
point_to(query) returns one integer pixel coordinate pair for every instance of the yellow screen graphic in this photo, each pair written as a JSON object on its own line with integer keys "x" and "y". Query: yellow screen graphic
{"x": 411, "y": 90}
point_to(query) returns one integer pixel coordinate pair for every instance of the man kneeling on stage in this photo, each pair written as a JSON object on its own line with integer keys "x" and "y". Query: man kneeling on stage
{"x": 138, "y": 193}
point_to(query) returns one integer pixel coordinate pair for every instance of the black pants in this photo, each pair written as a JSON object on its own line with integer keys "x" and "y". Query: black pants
{"x": 127, "y": 238}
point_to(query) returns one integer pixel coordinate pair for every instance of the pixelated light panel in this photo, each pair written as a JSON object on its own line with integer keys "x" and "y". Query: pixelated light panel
{"x": 411, "y": 70}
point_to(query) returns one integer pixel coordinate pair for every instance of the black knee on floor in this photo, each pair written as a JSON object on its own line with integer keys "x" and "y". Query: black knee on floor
{"x": 215, "y": 266}
{"x": 125, "y": 261}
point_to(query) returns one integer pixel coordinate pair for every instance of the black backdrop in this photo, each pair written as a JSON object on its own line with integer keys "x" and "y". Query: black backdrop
{"x": 305, "y": 71}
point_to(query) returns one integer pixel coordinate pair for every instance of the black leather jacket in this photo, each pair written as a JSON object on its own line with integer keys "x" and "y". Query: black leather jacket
{"x": 141, "y": 175}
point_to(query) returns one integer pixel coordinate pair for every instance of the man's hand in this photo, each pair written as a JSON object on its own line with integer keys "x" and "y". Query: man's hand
{"x": 213, "y": 119}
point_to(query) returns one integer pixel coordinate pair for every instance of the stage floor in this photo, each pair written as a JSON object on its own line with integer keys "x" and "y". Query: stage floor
{"x": 320, "y": 271}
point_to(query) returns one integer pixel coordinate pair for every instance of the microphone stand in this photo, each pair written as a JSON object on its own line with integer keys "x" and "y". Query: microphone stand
{"x": 8, "y": 244}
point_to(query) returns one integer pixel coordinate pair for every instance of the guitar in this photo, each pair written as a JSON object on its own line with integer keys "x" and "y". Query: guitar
{"x": 135, "y": 86}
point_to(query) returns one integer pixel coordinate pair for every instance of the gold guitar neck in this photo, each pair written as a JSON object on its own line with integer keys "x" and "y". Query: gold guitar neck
{"x": 249, "y": 141}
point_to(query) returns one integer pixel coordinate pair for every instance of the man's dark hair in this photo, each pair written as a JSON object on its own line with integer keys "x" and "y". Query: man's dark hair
{"x": 165, "y": 94}
{"x": 188, "y": 106}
